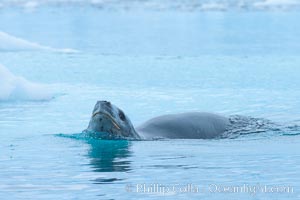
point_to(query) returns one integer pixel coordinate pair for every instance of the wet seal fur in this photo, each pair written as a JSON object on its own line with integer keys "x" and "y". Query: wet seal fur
{"x": 110, "y": 122}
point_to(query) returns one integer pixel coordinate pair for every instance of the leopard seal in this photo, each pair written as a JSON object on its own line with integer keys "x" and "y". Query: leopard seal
{"x": 110, "y": 122}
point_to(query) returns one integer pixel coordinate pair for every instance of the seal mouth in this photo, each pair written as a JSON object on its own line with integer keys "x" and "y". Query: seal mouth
{"x": 116, "y": 125}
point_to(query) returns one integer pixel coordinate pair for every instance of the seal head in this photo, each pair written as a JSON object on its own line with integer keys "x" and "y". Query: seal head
{"x": 110, "y": 122}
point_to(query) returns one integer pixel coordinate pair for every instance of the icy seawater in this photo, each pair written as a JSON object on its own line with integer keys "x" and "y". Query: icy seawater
{"x": 149, "y": 58}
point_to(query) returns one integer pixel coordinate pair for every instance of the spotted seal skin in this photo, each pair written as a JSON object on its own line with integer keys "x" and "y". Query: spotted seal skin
{"x": 110, "y": 122}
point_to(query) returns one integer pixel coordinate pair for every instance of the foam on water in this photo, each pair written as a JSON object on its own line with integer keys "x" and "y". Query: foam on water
{"x": 14, "y": 87}
{"x": 12, "y": 43}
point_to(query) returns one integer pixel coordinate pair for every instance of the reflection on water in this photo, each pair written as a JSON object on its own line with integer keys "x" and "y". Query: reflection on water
{"x": 109, "y": 156}
{"x": 107, "y": 159}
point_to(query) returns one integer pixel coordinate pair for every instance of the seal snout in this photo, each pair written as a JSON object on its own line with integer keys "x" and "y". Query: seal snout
{"x": 103, "y": 114}
{"x": 108, "y": 121}
{"x": 107, "y": 103}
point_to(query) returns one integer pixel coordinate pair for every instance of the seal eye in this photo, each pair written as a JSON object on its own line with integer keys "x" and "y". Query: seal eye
{"x": 121, "y": 115}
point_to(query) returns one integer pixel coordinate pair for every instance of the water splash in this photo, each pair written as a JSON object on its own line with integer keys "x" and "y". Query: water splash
{"x": 244, "y": 126}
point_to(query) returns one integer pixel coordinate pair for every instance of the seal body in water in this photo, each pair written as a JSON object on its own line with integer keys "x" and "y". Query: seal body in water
{"x": 110, "y": 122}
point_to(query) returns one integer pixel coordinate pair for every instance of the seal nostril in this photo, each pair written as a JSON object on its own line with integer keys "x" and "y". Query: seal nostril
{"x": 105, "y": 102}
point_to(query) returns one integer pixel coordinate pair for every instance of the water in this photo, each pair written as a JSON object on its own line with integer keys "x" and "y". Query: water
{"x": 148, "y": 62}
